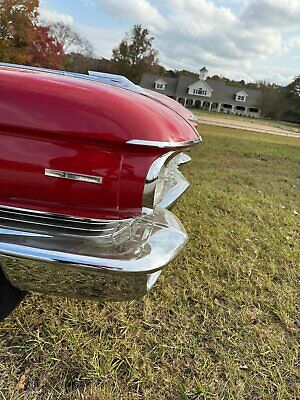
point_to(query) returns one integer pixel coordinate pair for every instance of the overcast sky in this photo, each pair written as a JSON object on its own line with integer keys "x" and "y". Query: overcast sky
{"x": 239, "y": 39}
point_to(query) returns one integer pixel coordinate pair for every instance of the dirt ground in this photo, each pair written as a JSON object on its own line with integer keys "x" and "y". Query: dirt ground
{"x": 251, "y": 125}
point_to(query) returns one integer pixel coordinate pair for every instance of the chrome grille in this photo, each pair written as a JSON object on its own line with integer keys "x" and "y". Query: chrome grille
{"x": 34, "y": 221}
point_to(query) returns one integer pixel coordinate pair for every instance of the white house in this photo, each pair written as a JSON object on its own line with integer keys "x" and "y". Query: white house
{"x": 208, "y": 94}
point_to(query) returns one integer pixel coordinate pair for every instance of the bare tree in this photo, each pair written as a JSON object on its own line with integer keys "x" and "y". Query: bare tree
{"x": 70, "y": 40}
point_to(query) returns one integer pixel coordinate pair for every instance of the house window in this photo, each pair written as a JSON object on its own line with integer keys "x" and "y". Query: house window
{"x": 253, "y": 110}
{"x": 200, "y": 92}
{"x": 240, "y": 98}
{"x": 159, "y": 86}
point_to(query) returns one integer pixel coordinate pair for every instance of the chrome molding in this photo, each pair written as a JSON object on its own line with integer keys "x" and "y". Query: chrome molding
{"x": 82, "y": 267}
{"x": 65, "y": 217}
{"x": 52, "y": 71}
{"x": 108, "y": 79}
{"x": 47, "y": 223}
{"x": 164, "y": 145}
{"x": 116, "y": 80}
{"x": 164, "y": 183}
{"x": 54, "y": 173}
{"x": 152, "y": 180}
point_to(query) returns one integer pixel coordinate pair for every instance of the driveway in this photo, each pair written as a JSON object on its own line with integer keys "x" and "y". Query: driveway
{"x": 252, "y": 125}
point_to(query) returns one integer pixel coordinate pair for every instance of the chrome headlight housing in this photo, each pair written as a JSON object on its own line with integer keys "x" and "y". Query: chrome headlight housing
{"x": 164, "y": 182}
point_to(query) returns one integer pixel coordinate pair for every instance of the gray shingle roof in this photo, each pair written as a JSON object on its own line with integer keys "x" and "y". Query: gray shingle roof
{"x": 222, "y": 93}
{"x": 148, "y": 82}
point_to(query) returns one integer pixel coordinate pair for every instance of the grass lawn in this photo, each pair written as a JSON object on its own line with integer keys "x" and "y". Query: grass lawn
{"x": 223, "y": 320}
{"x": 266, "y": 122}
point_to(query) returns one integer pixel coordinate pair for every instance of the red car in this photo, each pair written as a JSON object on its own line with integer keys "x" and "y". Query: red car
{"x": 88, "y": 169}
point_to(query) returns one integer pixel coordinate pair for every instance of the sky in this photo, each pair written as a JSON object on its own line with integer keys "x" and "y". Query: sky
{"x": 240, "y": 39}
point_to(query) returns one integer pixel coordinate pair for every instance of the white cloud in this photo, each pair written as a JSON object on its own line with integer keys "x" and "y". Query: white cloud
{"x": 50, "y": 15}
{"x": 272, "y": 13}
{"x": 102, "y": 39}
{"x": 134, "y": 11}
{"x": 199, "y": 32}
{"x": 193, "y": 33}
{"x": 294, "y": 41}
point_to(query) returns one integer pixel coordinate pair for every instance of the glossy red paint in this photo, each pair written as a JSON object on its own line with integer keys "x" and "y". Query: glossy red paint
{"x": 70, "y": 124}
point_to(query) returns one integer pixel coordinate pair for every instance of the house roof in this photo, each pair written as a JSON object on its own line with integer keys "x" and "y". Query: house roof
{"x": 160, "y": 80}
{"x": 222, "y": 93}
{"x": 242, "y": 93}
{"x": 148, "y": 81}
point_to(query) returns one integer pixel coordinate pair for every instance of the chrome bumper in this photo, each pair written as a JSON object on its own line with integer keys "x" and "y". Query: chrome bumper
{"x": 89, "y": 268}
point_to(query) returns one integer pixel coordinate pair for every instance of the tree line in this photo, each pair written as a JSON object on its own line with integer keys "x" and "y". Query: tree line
{"x": 26, "y": 39}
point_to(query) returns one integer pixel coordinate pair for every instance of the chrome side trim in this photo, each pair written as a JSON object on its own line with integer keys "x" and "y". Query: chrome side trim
{"x": 116, "y": 80}
{"x": 152, "y": 179}
{"x": 51, "y": 71}
{"x": 43, "y": 222}
{"x": 64, "y": 217}
{"x": 105, "y": 78}
{"x": 164, "y": 145}
{"x": 82, "y": 267}
{"x": 54, "y": 173}
{"x": 164, "y": 182}
{"x": 171, "y": 197}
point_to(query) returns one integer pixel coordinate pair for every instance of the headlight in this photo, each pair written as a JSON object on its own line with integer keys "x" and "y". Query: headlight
{"x": 165, "y": 183}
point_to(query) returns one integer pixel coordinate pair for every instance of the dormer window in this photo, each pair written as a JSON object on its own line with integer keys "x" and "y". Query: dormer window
{"x": 241, "y": 96}
{"x": 200, "y": 88}
{"x": 200, "y": 92}
{"x": 160, "y": 85}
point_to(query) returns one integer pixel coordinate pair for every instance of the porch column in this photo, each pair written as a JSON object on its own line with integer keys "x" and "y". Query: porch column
{"x": 209, "y": 108}
{"x": 246, "y": 110}
{"x": 219, "y": 107}
{"x": 185, "y": 100}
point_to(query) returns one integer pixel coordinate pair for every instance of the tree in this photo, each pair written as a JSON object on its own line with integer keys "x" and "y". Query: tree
{"x": 23, "y": 40}
{"x": 135, "y": 54}
{"x": 292, "y": 95}
{"x": 79, "y": 63}
{"x": 70, "y": 39}
{"x": 46, "y": 52}
{"x": 17, "y": 33}
{"x": 273, "y": 103}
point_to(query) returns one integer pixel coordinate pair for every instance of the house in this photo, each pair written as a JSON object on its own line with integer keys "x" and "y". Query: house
{"x": 207, "y": 94}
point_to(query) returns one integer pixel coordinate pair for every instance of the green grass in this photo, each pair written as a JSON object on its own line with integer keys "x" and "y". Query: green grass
{"x": 223, "y": 320}
{"x": 261, "y": 121}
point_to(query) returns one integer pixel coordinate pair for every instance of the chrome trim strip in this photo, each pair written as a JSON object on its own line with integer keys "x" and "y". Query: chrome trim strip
{"x": 152, "y": 179}
{"x": 164, "y": 145}
{"x": 55, "y": 173}
{"x": 82, "y": 267}
{"x": 100, "y": 77}
{"x": 158, "y": 174}
{"x": 116, "y": 80}
{"x": 47, "y": 223}
{"x": 171, "y": 197}
{"x": 64, "y": 217}
{"x": 51, "y": 71}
